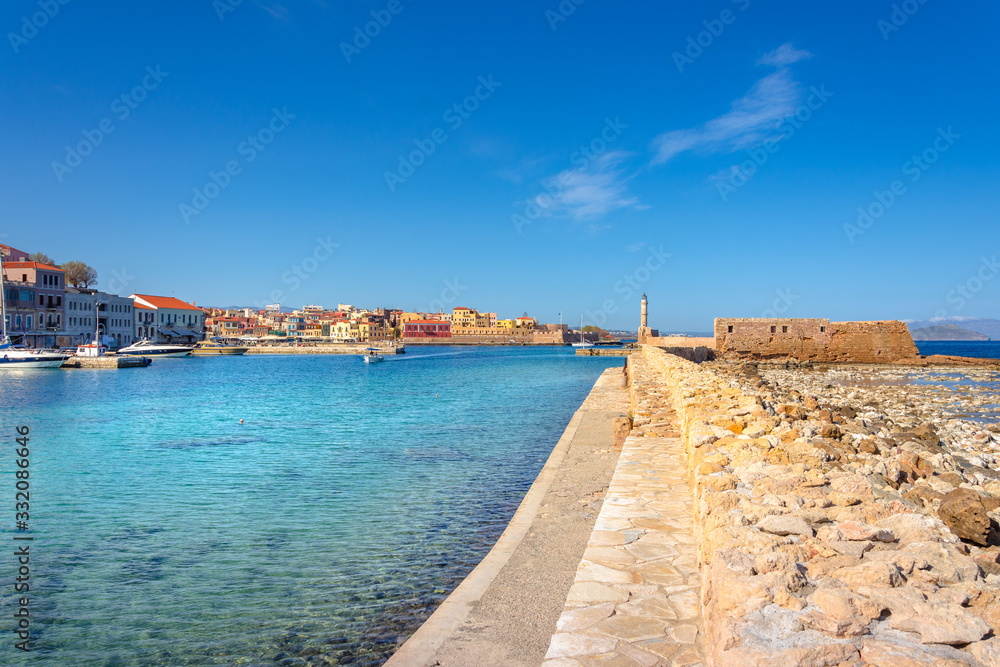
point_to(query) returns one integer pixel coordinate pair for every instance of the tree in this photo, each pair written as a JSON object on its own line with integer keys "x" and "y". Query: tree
{"x": 79, "y": 274}
{"x": 41, "y": 258}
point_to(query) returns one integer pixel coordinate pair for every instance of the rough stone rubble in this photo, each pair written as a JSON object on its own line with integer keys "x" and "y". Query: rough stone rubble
{"x": 833, "y": 528}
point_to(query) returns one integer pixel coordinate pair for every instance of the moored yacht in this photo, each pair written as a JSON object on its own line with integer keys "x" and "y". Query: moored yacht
{"x": 214, "y": 348}
{"x": 147, "y": 348}
{"x": 18, "y": 357}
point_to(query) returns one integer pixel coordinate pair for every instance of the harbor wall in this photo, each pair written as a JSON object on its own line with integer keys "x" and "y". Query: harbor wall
{"x": 808, "y": 554}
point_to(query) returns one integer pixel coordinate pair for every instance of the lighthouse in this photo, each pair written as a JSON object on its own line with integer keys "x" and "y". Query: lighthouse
{"x": 643, "y": 313}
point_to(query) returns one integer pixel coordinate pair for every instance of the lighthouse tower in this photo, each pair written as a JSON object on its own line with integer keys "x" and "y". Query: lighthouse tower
{"x": 645, "y": 333}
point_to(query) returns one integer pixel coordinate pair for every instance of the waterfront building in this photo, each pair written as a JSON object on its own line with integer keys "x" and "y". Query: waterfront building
{"x": 312, "y": 310}
{"x": 370, "y": 331}
{"x": 145, "y": 321}
{"x": 525, "y": 322}
{"x": 34, "y": 296}
{"x": 345, "y": 331}
{"x": 10, "y": 254}
{"x": 463, "y": 318}
{"x": 427, "y": 329}
{"x": 115, "y": 318}
{"x": 174, "y": 321}
{"x": 228, "y": 326}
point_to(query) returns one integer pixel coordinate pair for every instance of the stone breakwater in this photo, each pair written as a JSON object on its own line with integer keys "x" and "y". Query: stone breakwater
{"x": 832, "y": 528}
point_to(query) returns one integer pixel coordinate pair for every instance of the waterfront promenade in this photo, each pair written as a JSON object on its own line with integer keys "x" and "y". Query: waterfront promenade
{"x": 504, "y": 613}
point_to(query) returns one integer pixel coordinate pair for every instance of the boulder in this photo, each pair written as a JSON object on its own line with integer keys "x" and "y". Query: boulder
{"x": 963, "y": 512}
{"x": 785, "y": 525}
{"x": 939, "y": 624}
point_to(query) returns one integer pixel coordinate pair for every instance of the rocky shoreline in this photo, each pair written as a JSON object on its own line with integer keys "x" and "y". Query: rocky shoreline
{"x": 845, "y": 515}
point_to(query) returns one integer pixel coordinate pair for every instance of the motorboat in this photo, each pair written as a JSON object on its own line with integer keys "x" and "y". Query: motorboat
{"x": 18, "y": 357}
{"x": 147, "y": 348}
{"x": 215, "y": 348}
{"x": 374, "y": 356}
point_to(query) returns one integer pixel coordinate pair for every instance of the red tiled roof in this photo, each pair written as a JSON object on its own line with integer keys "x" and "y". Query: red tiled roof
{"x": 166, "y": 302}
{"x": 31, "y": 265}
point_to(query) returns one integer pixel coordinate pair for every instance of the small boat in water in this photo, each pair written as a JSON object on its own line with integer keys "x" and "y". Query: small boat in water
{"x": 214, "y": 348}
{"x": 147, "y": 348}
{"x": 18, "y": 357}
{"x": 582, "y": 342}
{"x": 374, "y": 356}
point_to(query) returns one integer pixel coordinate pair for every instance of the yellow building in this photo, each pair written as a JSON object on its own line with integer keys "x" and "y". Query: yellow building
{"x": 462, "y": 318}
{"x": 369, "y": 332}
{"x": 345, "y": 331}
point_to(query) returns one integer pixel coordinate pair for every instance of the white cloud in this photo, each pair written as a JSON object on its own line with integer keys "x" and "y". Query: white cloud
{"x": 753, "y": 118}
{"x": 595, "y": 190}
{"x": 784, "y": 55}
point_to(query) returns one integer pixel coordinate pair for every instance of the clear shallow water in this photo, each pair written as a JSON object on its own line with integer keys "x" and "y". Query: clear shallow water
{"x": 326, "y": 527}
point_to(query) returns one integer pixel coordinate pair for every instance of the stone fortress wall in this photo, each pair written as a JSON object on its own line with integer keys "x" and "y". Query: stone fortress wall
{"x": 813, "y": 340}
{"x": 809, "y": 555}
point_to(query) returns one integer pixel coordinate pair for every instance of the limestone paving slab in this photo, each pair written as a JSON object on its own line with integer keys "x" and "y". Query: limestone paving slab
{"x": 635, "y": 601}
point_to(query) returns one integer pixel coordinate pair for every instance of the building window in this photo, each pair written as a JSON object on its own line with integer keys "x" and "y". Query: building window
{"x": 773, "y": 329}
{"x": 822, "y": 329}
{"x": 784, "y": 329}
{"x": 730, "y": 328}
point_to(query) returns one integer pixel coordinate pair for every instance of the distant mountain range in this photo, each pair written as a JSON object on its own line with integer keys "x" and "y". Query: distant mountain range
{"x": 946, "y": 332}
{"x": 955, "y": 326}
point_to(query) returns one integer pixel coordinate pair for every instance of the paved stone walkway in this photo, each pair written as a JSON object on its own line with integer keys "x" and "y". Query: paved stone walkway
{"x": 635, "y": 597}
{"x": 504, "y": 614}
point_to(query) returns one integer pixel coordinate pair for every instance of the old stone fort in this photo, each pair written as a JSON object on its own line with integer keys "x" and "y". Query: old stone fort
{"x": 803, "y": 339}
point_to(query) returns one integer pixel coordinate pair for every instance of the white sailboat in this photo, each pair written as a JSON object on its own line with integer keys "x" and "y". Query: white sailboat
{"x": 18, "y": 357}
{"x": 582, "y": 342}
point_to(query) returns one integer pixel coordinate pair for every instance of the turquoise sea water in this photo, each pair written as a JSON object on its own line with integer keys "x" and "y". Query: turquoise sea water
{"x": 321, "y": 531}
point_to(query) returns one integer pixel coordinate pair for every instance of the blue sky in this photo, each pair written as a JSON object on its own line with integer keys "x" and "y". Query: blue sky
{"x": 531, "y": 156}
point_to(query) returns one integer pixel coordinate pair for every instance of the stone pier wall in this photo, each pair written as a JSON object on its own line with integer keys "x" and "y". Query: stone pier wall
{"x": 808, "y": 555}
